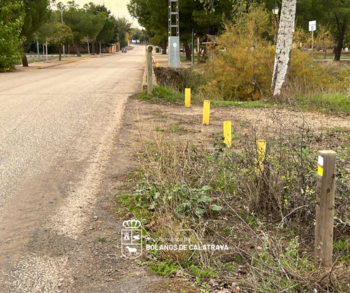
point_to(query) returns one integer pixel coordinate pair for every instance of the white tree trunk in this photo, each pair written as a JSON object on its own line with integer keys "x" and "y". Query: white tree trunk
{"x": 284, "y": 47}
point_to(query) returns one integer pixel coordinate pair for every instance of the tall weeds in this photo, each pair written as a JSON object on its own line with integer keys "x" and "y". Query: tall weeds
{"x": 267, "y": 218}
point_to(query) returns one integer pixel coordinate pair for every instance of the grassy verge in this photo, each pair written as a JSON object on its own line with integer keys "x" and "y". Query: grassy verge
{"x": 249, "y": 104}
{"x": 183, "y": 58}
{"x": 326, "y": 103}
{"x": 196, "y": 188}
{"x": 163, "y": 95}
{"x": 336, "y": 103}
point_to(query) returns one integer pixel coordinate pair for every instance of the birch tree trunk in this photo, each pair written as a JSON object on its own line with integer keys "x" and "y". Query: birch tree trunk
{"x": 283, "y": 48}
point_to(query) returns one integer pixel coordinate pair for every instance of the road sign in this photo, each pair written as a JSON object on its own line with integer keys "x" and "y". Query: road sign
{"x": 312, "y": 26}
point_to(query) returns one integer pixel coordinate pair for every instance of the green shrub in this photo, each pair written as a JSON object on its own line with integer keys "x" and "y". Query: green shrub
{"x": 243, "y": 69}
{"x": 164, "y": 268}
{"x": 10, "y": 29}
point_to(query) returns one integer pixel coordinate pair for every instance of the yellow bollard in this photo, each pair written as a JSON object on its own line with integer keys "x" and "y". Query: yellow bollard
{"x": 227, "y": 133}
{"x": 187, "y": 98}
{"x": 206, "y": 112}
{"x": 261, "y": 152}
{"x": 157, "y": 64}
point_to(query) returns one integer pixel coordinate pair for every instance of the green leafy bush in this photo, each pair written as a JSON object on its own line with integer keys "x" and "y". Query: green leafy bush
{"x": 183, "y": 200}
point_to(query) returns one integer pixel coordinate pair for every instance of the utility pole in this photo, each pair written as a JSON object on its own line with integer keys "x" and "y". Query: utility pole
{"x": 174, "y": 41}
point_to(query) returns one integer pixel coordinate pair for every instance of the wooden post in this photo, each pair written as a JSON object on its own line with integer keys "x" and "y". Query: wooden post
{"x": 188, "y": 98}
{"x": 149, "y": 70}
{"x": 325, "y": 208}
{"x": 227, "y": 133}
{"x": 198, "y": 51}
{"x": 206, "y": 112}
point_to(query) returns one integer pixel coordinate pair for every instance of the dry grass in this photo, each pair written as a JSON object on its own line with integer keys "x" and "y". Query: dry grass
{"x": 266, "y": 220}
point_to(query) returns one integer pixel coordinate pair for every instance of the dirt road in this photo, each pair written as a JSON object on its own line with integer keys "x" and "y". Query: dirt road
{"x": 56, "y": 135}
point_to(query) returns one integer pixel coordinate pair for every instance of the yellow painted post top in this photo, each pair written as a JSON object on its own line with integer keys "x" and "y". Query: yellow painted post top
{"x": 206, "y": 112}
{"x": 157, "y": 64}
{"x": 227, "y": 133}
{"x": 188, "y": 98}
{"x": 261, "y": 152}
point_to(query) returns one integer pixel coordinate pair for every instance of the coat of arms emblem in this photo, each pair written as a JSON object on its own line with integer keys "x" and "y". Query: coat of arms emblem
{"x": 131, "y": 239}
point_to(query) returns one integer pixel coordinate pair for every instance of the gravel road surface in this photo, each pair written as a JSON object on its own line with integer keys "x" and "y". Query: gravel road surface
{"x": 56, "y": 128}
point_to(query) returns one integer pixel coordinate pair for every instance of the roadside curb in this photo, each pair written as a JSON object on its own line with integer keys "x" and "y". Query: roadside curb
{"x": 52, "y": 65}
{"x": 65, "y": 62}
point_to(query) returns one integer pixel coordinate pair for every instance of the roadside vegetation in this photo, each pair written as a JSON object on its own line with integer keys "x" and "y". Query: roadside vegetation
{"x": 25, "y": 25}
{"x": 190, "y": 184}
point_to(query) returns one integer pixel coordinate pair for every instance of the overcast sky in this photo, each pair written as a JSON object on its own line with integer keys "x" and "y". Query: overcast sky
{"x": 118, "y": 7}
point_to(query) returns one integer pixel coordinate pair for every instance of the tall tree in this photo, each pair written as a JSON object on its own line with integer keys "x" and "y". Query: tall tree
{"x": 83, "y": 23}
{"x": 92, "y": 24}
{"x": 61, "y": 34}
{"x": 283, "y": 48}
{"x": 36, "y": 14}
{"x": 73, "y": 18}
{"x": 107, "y": 33}
{"x": 11, "y": 22}
{"x": 123, "y": 29}
{"x": 153, "y": 16}
{"x": 136, "y": 34}
{"x": 341, "y": 12}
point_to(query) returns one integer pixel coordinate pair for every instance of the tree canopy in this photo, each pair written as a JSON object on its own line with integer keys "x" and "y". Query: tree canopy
{"x": 36, "y": 13}
{"x": 11, "y": 23}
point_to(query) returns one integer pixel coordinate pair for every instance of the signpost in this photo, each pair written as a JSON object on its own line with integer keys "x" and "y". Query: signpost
{"x": 312, "y": 28}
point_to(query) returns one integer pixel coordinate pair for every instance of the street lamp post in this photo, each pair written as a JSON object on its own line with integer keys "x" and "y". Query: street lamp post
{"x": 192, "y": 49}
{"x": 275, "y": 11}
{"x": 37, "y": 46}
{"x": 64, "y": 55}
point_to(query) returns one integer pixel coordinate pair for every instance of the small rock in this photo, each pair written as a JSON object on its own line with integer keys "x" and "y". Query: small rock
{"x": 224, "y": 291}
{"x": 213, "y": 283}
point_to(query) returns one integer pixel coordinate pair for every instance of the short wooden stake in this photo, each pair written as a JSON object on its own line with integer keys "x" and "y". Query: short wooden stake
{"x": 149, "y": 70}
{"x": 206, "y": 112}
{"x": 261, "y": 153}
{"x": 325, "y": 208}
{"x": 227, "y": 133}
{"x": 188, "y": 98}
